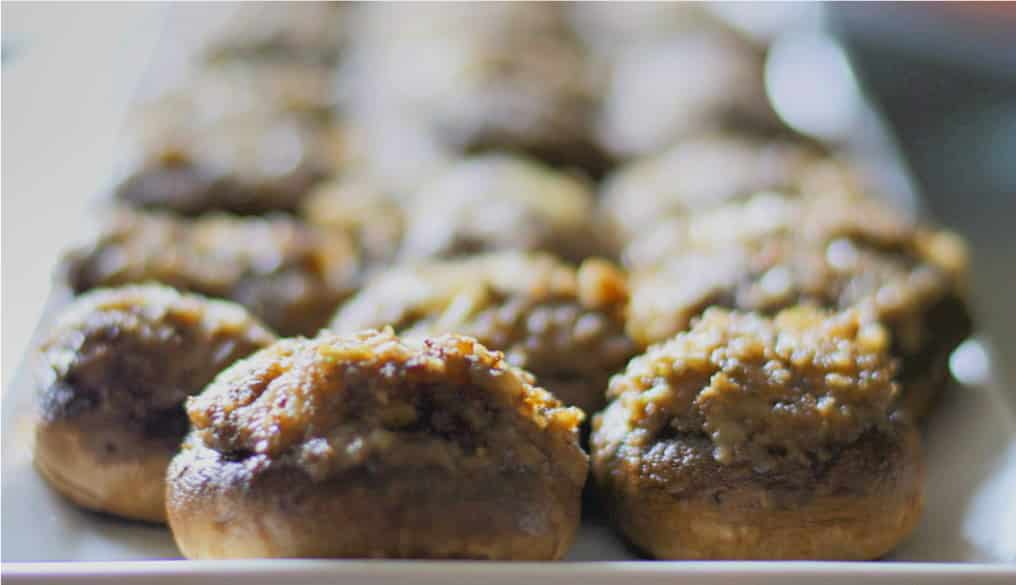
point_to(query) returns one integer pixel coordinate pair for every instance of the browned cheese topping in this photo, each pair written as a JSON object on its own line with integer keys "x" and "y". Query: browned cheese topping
{"x": 337, "y": 403}
{"x": 289, "y": 274}
{"x": 128, "y": 357}
{"x": 771, "y": 252}
{"x": 564, "y": 325}
{"x": 789, "y": 388}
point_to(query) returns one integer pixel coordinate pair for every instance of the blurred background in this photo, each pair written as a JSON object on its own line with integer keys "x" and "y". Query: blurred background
{"x": 942, "y": 75}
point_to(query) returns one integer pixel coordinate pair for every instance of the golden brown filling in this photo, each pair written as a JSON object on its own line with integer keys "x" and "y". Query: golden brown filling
{"x": 127, "y": 358}
{"x": 336, "y": 403}
{"x": 289, "y": 274}
{"x": 788, "y": 388}
{"x": 564, "y": 325}
{"x": 771, "y": 252}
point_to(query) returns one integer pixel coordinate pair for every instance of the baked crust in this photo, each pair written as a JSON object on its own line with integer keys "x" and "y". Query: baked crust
{"x": 289, "y": 274}
{"x": 751, "y": 438}
{"x": 112, "y": 378}
{"x": 857, "y": 506}
{"x": 223, "y": 509}
{"x": 562, "y": 324}
{"x": 833, "y": 251}
{"x": 370, "y": 446}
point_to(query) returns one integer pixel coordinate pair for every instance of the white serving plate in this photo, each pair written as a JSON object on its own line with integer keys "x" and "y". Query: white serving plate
{"x": 967, "y": 534}
{"x": 968, "y": 529}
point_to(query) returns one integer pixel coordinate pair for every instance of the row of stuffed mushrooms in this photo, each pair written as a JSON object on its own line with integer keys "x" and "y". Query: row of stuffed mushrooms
{"x": 390, "y": 322}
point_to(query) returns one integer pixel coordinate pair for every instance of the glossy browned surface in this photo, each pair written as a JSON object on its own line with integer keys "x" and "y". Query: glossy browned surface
{"x": 120, "y": 363}
{"x": 754, "y": 438}
{"x": 340, "y": 402}
{"x": 289, "y": 274}
{"x": 564, "y": 325}
{"x": 370, "y": 445}
{"x": 764, "y": 391}
{"x": 673, "y": 500}
{"x": 771, "y": 252}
